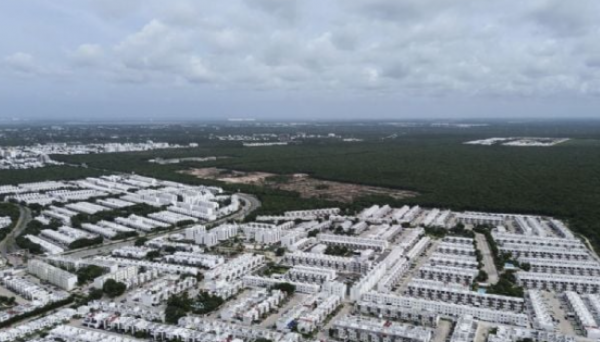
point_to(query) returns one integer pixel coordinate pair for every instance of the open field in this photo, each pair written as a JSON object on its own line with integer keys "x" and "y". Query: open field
{"x": 303, "y": 184}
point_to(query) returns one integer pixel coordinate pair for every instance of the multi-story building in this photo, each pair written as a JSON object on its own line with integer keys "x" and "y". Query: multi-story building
{"x": 63, "y": 279}
{"x": 464, "y": 296}
{"x": 508, "y": 238}
{"x": 48, "y": 247}
{"x": 374, "y": 330}
{"x": 582, "y": 314}
{"x": 465, "y": 329}
{"x": 540, "y": 312}
{"x": 367, "y": 281}
{"x": 353, "y": 242}
{"x": 427, "y": 311}
{"x": 476, "y": 218}
{"x": 133, "y": 252}
{"x": 325, "y": 305}
{"x": 455, "y": 248}
{"x": 531, "y": 251}
{"x": 393, "y": 276}
{"x": 159, "y": 266}
{"x": 316, "y": 213}
{"x": 195, "y": 259}
{"x": 309, "y": 274}
{"x": 340, "y": 264}
{"x": 463, "y": 276}
{"x": 236, "y": 268}
{"x": 558, "y": 283}
{"x": 160, "y": 291}
{"x": 590, "y": 268}
{"x": 505, "y": 333}
{"x": 462, "y": 261}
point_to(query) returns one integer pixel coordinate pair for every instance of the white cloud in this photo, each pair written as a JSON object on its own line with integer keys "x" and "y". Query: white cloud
{"x": 21, "y": 62}
{"x": 401, "y": 47}
{"x": 25, "y": 65}
{"x": 88, "y": 55}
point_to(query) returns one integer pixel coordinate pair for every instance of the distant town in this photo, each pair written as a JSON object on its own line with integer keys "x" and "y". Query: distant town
{"x": 29, "y": 157}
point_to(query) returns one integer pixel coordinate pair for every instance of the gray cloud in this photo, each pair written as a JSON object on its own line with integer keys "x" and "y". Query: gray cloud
{"x": 400, "y": 48}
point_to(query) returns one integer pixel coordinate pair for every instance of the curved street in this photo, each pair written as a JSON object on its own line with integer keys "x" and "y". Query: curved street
{"x": 9, "y": 244}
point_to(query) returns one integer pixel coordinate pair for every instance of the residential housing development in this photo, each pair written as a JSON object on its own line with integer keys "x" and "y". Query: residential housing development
{"x": 134, "y": 258}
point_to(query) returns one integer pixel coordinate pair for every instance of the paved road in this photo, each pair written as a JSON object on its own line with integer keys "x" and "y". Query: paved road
{"x": 442, "y": 331}
{"x": 323, "y": 334}
{"x": 488, "y": 261}
{"x": 416, "y": 264}
{"x": 252, "y": 203}
{"x": 564, "y": 326}
{"x": 9, "y": 244}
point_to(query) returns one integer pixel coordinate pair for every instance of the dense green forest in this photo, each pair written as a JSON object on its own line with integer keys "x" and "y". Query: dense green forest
{"x": 563, "y": 180}
{"x": 46, "y": 174}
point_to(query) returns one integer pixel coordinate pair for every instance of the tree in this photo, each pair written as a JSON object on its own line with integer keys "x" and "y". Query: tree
{"x": 177, "y": 307}
{"x": 482, "y": 276}
{"x": 88, "y": 273}
{"x": 313, "y": 233}
{"x": 95, "y": 294}
{"x": 280, "y": 251}
{"x": 152, "y": 255}
{"x": 337, "y": 250}
{"x": 113, "y": 288}
{"x": 140, "y": 241}
{"x": 285, "y": 287}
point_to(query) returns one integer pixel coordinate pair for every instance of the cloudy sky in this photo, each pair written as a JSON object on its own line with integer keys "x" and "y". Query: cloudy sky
{"x": 204, "y": 59}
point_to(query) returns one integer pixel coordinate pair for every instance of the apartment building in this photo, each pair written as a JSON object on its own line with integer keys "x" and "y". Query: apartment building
{"x": 475, "y": 218}
{"x": 449, "y": 274}
{"x": 195, "y": 259}
{"x": 307, "y": 274}
{"x": 375, "y": 330}
{"x": 540, "y": 312}
{"x": 427, "y": 311}
{"x": 451, "y": 294}
{"x": 558, "y": 283}
{"x": 63, "y": 279}
{"x": 564, "y": 267}
{"x": 160, "y": 291}
{"x": 556, "y": 253}
{"x": 585, "y": 319}
{"x": 367, "y": 281}
{"x": 340, "y": 264}
{"x": 353, "y": 242}
{"x": 236, "y": 268}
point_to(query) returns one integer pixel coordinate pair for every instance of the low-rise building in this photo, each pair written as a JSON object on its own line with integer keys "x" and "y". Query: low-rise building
{"x": 424, "y": 310}
{"x": 195, "y": 259}
{"x": 236, "y": 268}
{"x": 558, "y": 283}
{"x": 375, "y": 330}
{"x": 340, "y": 264}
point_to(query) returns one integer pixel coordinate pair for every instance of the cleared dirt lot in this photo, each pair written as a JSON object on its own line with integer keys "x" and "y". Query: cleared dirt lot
{"x": 305, "y": 185}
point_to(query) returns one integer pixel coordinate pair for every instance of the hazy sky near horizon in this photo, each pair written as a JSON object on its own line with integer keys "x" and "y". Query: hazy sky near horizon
{"x": 205, "y": 59}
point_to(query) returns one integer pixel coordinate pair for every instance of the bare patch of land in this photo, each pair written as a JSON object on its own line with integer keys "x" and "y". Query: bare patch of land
{"x": 305, "y": 185}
